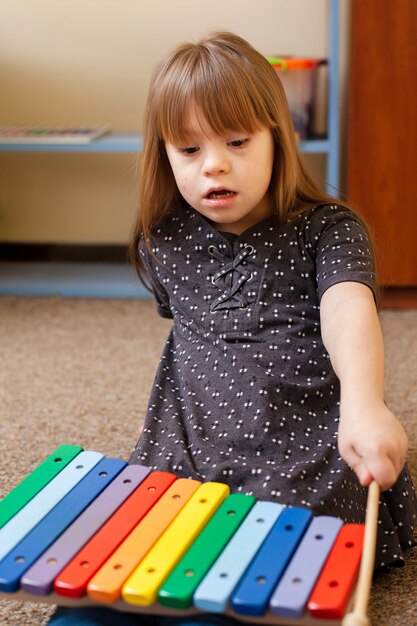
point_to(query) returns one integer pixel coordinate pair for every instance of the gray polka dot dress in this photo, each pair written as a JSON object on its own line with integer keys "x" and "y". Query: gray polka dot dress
{"x": 245, "y": 393}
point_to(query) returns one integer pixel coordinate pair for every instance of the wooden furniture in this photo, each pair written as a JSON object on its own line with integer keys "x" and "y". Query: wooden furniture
{"x": 382, "y": 138}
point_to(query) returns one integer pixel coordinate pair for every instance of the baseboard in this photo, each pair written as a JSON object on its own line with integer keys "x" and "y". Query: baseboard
{"x": 58, "y": 252}
{"x": 398, "y": 297}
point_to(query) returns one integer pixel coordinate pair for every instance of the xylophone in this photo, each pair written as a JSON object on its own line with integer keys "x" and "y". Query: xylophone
{"x": 85, "y": 529}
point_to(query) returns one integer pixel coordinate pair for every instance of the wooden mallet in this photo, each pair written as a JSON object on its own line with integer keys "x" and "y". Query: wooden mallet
{"x": 358, "y": 616}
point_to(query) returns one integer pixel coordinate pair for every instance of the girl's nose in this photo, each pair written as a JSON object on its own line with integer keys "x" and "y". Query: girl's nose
{"x": 216, "y": 162}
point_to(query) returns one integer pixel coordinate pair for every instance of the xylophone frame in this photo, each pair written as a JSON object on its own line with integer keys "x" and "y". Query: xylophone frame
{"x": 156, "y": 609}
{"x": 359, "y": 600}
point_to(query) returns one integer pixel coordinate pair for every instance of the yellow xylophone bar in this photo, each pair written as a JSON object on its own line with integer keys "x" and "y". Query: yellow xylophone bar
{"x": 144, "y": 541}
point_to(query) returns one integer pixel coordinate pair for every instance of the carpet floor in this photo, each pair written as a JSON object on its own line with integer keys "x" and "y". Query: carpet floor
{"x": 80, "y": 370}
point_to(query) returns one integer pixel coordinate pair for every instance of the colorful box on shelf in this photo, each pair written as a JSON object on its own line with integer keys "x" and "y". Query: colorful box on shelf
{"x": 299, "y": 77}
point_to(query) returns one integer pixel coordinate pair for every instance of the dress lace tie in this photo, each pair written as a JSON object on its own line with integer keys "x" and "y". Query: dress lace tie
{"x": 230, "y": 278}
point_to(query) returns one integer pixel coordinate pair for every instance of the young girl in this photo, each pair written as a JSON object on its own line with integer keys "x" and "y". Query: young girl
{"x": 272, "y": 376}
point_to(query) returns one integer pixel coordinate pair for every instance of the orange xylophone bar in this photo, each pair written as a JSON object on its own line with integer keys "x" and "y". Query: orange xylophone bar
{"x": 102, "y": 532}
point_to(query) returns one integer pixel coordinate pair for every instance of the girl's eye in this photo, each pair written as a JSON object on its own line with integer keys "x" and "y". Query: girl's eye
{"x": 238, "y": 143}
{"x": 191, "y": 150}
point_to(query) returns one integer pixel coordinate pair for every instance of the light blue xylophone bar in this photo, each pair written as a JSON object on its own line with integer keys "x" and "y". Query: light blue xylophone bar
{"x": 260, "y": 579}
{"x": 29, "y": 549}
{"x": 27, "y": 518}
{"x": 291, "y": 595}
{"x": 40, "y": 577}
{"x": 215, "y": 589}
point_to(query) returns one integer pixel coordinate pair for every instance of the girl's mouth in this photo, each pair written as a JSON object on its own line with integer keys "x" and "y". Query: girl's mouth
{"x": 220, "y": 193}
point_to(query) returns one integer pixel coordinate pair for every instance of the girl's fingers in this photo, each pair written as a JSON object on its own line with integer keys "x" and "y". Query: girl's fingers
{"x": 379, "y": 467}
{"x": 363, "y": 474}
{"x": 356, "y": 463}
{"x": 383, "y": 471}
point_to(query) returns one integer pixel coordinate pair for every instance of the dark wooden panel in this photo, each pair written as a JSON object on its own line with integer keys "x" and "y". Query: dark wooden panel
{"x": 382, "y": 131}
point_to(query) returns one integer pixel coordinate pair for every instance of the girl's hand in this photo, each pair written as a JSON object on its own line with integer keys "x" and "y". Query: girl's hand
{"x": 373, "y": 443}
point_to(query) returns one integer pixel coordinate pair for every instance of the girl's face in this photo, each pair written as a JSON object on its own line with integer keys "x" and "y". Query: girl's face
{"x": 225, "y": 178}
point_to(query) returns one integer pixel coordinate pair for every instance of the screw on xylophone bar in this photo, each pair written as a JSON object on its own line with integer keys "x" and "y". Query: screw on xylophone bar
{"x": 358, "y": 616}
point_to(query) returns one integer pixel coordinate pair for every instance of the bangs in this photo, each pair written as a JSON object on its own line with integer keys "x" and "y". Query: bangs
{"x": 224, "y": 93}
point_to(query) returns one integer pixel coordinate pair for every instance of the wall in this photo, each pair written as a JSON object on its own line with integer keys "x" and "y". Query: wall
{"x": 88, "y": 62}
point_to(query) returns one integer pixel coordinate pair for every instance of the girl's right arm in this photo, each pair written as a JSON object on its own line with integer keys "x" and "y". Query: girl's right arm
{"x": 371, "y": 440}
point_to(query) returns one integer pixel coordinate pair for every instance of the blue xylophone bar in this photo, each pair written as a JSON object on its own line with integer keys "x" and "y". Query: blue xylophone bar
{"x": 256, "y": 561}
{"x": 66, "y": 511}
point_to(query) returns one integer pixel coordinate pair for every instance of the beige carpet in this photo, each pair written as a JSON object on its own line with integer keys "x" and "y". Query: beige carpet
{"x": 79, "y": 371}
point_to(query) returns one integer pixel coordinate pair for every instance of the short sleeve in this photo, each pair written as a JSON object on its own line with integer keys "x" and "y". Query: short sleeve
{"x": 343, "y": 251}
{"x": 160, "y": 294}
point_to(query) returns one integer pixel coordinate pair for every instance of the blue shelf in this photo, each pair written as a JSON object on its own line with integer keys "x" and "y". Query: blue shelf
{"x": 112, "y": 142}
{"x": 128, "y": 142}
{"x": 314, "y": 146}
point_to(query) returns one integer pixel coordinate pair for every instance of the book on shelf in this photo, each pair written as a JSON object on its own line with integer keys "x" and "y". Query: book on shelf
{"x": 52, "y": 134}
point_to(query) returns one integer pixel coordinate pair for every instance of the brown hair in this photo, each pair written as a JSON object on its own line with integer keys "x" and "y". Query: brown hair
{"x": 236, "y": 89}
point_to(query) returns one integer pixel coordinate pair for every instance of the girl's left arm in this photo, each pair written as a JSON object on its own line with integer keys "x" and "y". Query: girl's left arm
{"x": 371, "y": 440}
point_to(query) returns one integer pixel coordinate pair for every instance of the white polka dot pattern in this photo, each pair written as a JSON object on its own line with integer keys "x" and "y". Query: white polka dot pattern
{"x": 245, "y": 392}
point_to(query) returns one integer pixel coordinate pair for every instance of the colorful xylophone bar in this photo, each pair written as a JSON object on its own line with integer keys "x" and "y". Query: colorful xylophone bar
{"x": 84, "y": 529}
